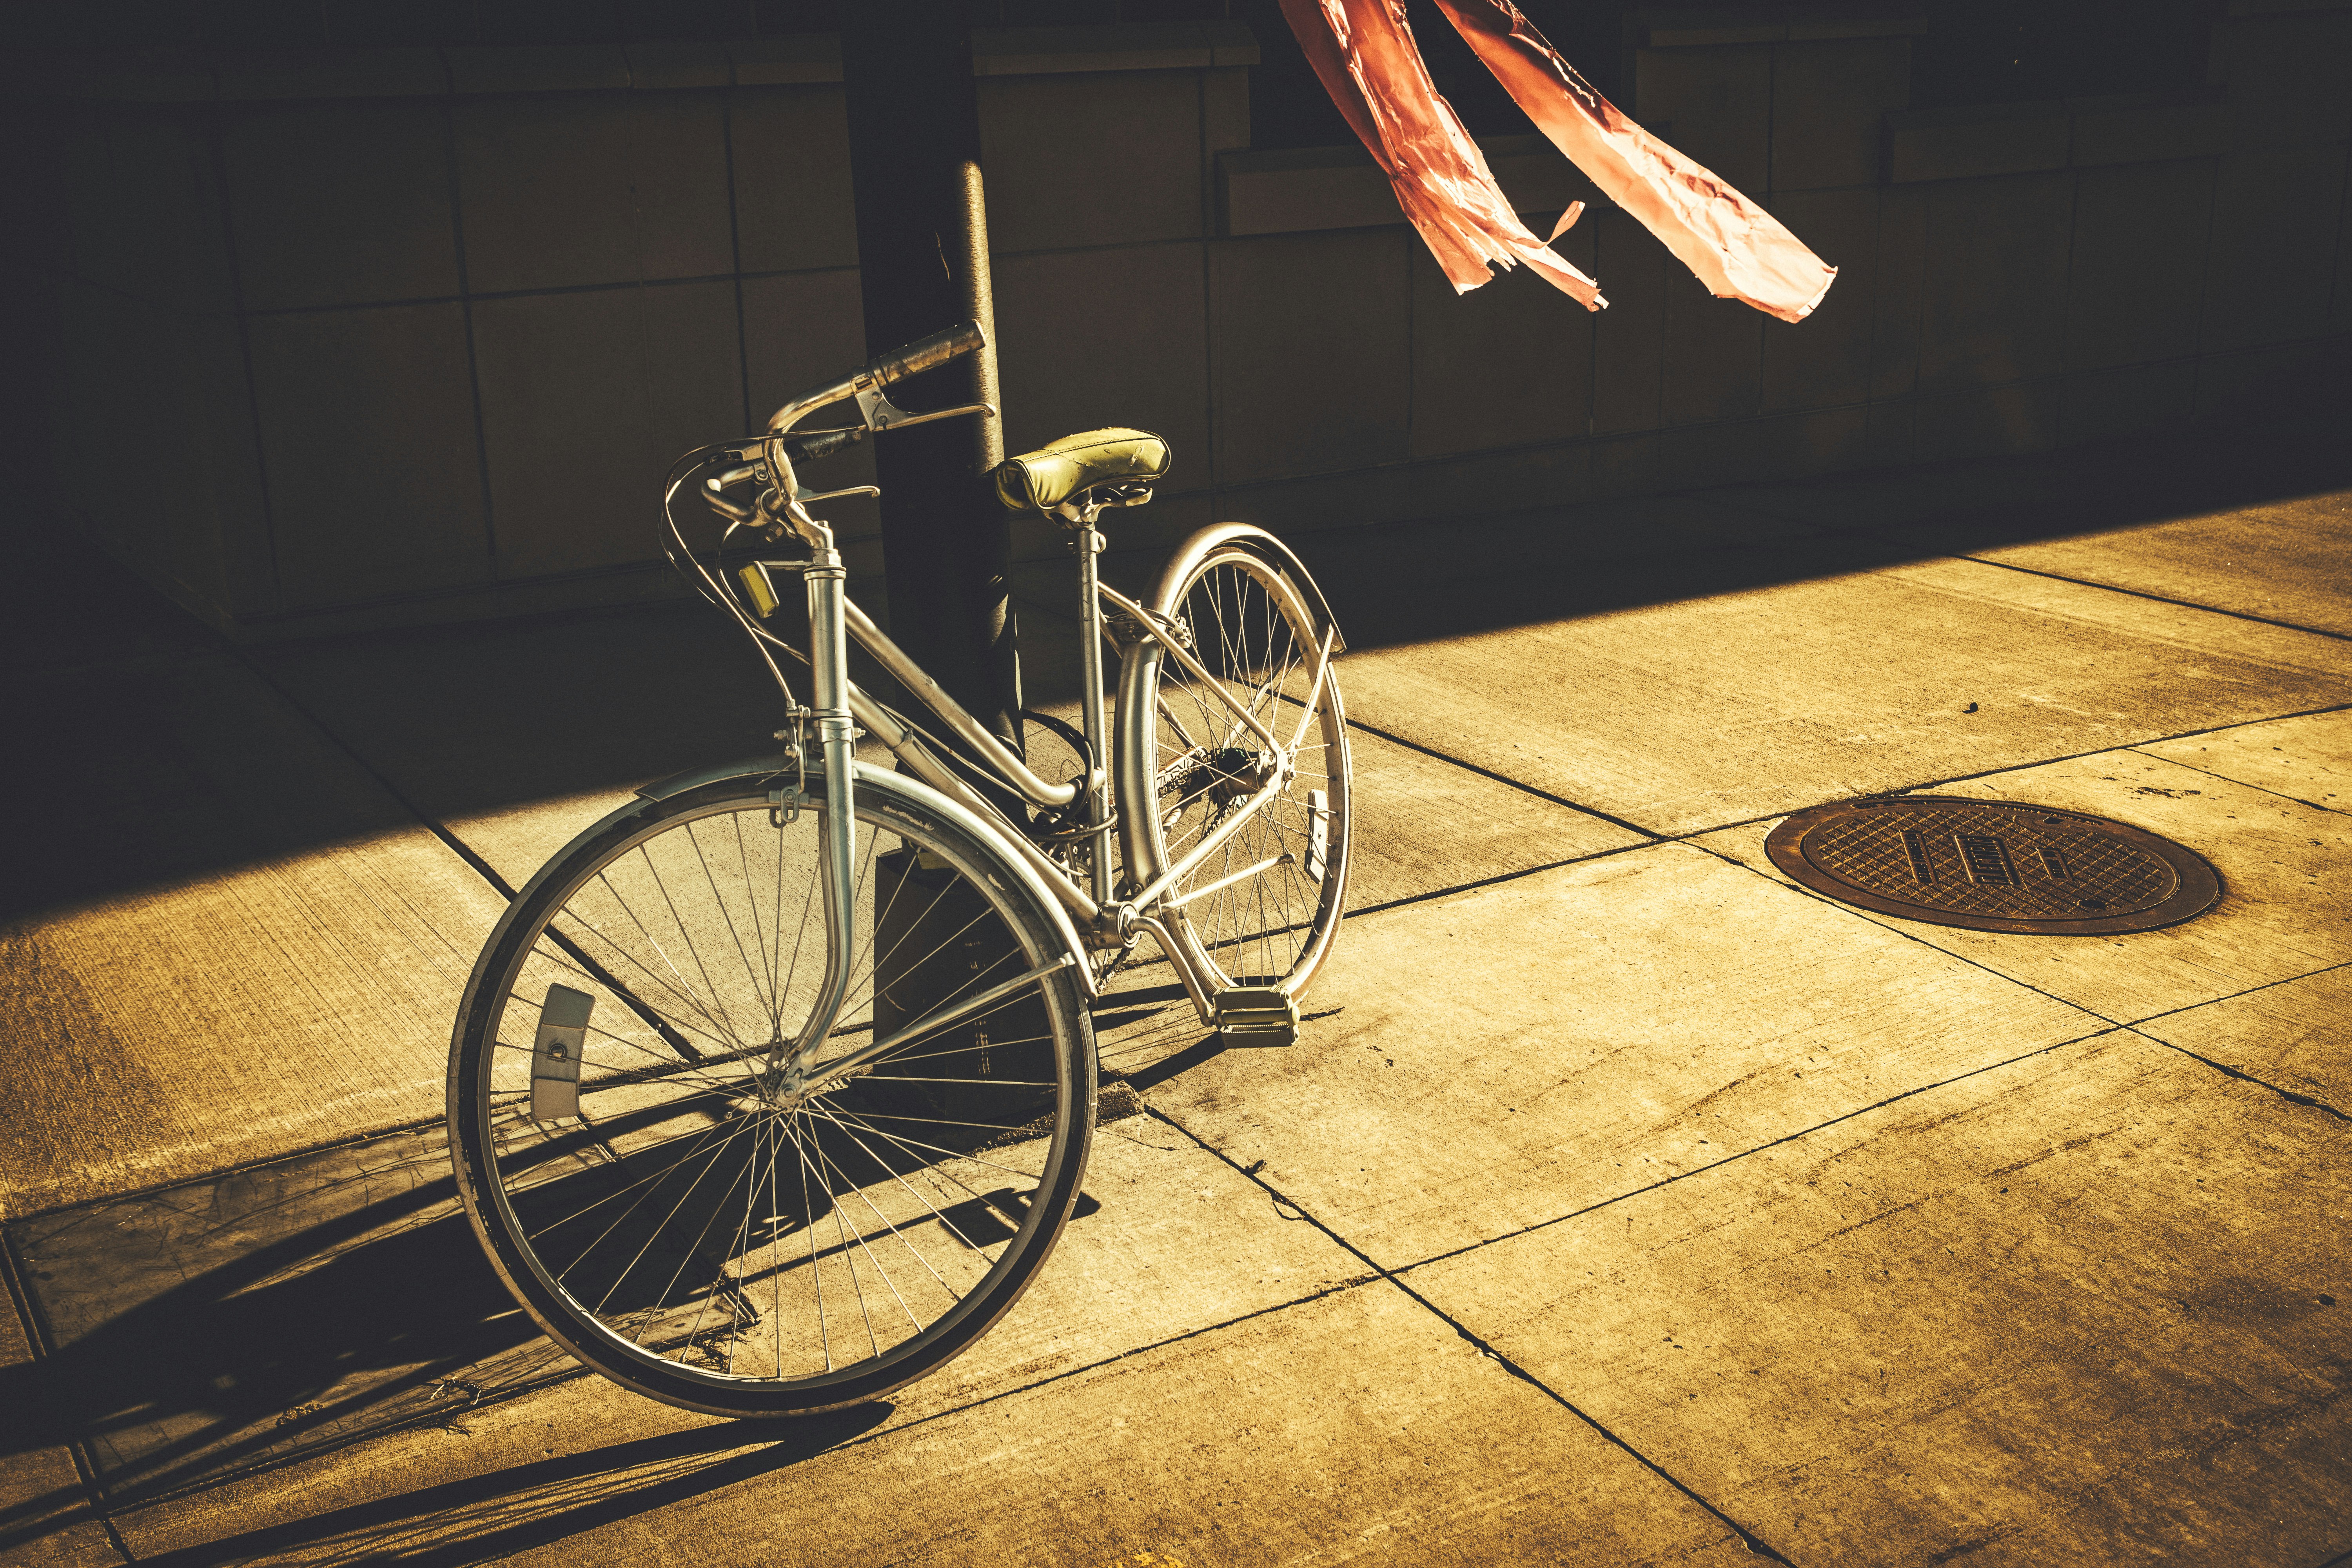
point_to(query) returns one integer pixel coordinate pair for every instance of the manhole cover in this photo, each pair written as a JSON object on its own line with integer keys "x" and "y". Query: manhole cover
{"x": 1993, "y": 865}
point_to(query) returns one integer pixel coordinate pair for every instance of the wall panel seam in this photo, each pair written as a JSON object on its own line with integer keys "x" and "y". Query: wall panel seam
{"x": 2067, "y": 290}
{"x": 550, "y": 292}
{"x": 245, "y": 360}
{"x": 735, "y": 252}
{"x": 473, "y": 358}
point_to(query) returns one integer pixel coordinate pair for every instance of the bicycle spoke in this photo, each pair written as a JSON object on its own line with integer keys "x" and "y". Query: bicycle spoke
{"x": 1260, "y": 649}
{"x": 725, "y": 914}
{"x": 816, "y": 1269}
{"x": 880, "y": 1272}
{"x": 844, "y": 1229}
{"x": 688, "y": 936}
{"x": 717, "y": 1030}
{"x": 899, "y": 1176}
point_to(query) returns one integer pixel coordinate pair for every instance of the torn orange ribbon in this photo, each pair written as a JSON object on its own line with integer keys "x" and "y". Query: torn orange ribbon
{"x": 1364, "y": 53}
{"x": 1734, "y": 247}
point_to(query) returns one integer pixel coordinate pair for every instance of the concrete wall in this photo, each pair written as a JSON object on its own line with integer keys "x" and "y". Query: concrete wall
{"x": 393, "y": 335}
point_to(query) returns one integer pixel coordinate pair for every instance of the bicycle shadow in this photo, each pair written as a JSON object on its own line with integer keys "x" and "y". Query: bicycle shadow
{"x": 276, "y": 1313}
{"x": 491, "y": 1516}
{"x": 1147, "y": 1033}
{"x": 261, "y": 1317}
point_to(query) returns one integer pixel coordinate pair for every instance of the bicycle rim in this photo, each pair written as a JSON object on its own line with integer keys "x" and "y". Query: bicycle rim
{"x": 698, "y": 1228}
{"x": 1284, "y": 871}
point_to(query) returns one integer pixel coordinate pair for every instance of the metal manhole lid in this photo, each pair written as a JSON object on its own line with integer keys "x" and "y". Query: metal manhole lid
{"x": 1993, "y": 865}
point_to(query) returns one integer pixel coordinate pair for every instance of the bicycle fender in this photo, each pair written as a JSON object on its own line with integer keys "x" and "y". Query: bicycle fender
{"x": 882, "y": 781}
{"x": 1222, "y": 532}
{"x": 678, "y": 784}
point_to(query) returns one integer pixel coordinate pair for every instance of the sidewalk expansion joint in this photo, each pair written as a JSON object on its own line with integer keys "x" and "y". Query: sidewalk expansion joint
{"x": 1886, "y": 924}
{"x": 1497, "y": 879}
{"x": 2233, "y": 995}
{"x": 456, "y": 844}
{"x": 1252, "y": 1173}
{"x": 1652, "y": 838}
{"x": 220, "y": 1174}
{"x": 2245, "y": 1077}
{"x": 2131, "y": 746}
{"x": 652, "y": 1016}
{"x": 2134, "y": 1027}
{"x": 1758, "y": 1149}
{"x": 2158, "y": 598}
{"x": 1523, "y": 788}
{"x": 37, "y": 1340}
{"x": 2225, "y": 778}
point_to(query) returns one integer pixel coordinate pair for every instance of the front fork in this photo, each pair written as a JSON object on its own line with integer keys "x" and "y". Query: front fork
{"x": 829, "y": 724}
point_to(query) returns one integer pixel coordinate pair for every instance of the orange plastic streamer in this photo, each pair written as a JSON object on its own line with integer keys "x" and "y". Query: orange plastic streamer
{"x": 1736, "y": 247}
{"x": 1364, "y": 52}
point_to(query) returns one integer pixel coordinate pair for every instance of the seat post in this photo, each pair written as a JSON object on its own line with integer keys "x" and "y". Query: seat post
{"x": 1086, "y": 544}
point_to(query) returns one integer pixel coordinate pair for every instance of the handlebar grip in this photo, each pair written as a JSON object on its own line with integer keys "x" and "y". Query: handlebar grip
{"x": 924, "y": 354}
{"x": 818, "y": 444}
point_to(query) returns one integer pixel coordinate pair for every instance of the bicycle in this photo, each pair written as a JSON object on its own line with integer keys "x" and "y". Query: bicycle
{"x": 758, "y": 1118}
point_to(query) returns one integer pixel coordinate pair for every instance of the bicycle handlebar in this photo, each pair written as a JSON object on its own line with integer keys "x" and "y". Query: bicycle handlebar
{"x": 819, "y": 443}
{"x": 922, "y": 355}
{"x": 926, "y": 353}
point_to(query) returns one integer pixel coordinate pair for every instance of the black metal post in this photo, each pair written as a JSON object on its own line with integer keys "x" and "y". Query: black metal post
{"x": 923, "y": 247}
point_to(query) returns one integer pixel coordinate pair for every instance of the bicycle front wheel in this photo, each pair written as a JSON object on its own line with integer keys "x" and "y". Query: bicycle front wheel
{"x": 1262, "y": 906}
{"x": 684, "y": 1213}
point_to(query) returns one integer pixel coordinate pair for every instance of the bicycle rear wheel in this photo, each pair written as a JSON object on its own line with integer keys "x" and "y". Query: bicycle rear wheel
{"x": 687, "y": 1220}
{"x": 1261, "y": 909}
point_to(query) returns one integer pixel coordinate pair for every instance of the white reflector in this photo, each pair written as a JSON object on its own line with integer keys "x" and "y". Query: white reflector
{"x": 555, "y": 1054}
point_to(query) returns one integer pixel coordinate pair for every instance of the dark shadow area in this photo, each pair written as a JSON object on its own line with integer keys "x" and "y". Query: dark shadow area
{"x": 163, "y": 755}
{"x": 1124, "y": 1006}
{"x": 1973, "y": 51}
{"x": 1151, "y": 1035}
{"x": 1183, "y": 1061}
{"x": 1145, "y": 1034}
{"x": 259, "y": 1317}
{"x": 1984, "y": 51}
{"x": 1482, "y": 574}
{"x": 150, "y": 754}
{"x": 491, "y": 1516}
{"x": 271, "y": 1314}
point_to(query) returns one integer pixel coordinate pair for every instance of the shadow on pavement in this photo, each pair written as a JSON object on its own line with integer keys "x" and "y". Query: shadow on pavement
{"x": 276, "y": 1313}
{"x": 1420, "y": 582}
{"x": 491, "y": 1516}
{"x": 252, "y": 1319}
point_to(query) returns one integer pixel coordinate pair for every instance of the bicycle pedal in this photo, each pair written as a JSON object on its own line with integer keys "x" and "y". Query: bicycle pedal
{"x": 1257, "y": 1015}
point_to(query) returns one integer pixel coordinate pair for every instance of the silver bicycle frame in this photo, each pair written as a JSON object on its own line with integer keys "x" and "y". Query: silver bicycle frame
{"x": 841, "y": 711}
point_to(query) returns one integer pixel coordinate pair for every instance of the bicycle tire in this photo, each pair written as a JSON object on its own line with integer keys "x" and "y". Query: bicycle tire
{"x": 1254, "y": 626}
{"x": 913, "y": 1201}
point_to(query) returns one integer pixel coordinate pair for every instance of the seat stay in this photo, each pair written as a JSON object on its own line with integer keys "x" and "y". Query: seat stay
{"x": 1194, "y": 666}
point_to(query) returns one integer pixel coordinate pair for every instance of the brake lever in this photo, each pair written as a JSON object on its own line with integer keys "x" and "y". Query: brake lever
{"x": 880, "y": 414}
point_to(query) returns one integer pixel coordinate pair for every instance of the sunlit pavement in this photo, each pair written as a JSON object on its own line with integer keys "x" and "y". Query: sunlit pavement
{"x": 1623, "y": 1202}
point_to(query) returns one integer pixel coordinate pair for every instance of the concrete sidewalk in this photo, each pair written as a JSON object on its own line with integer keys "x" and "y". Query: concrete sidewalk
{"x": 1623, "y": 1202}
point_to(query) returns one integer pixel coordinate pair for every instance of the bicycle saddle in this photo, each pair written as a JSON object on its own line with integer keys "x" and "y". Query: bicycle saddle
{"x": 1045, "y": 479}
